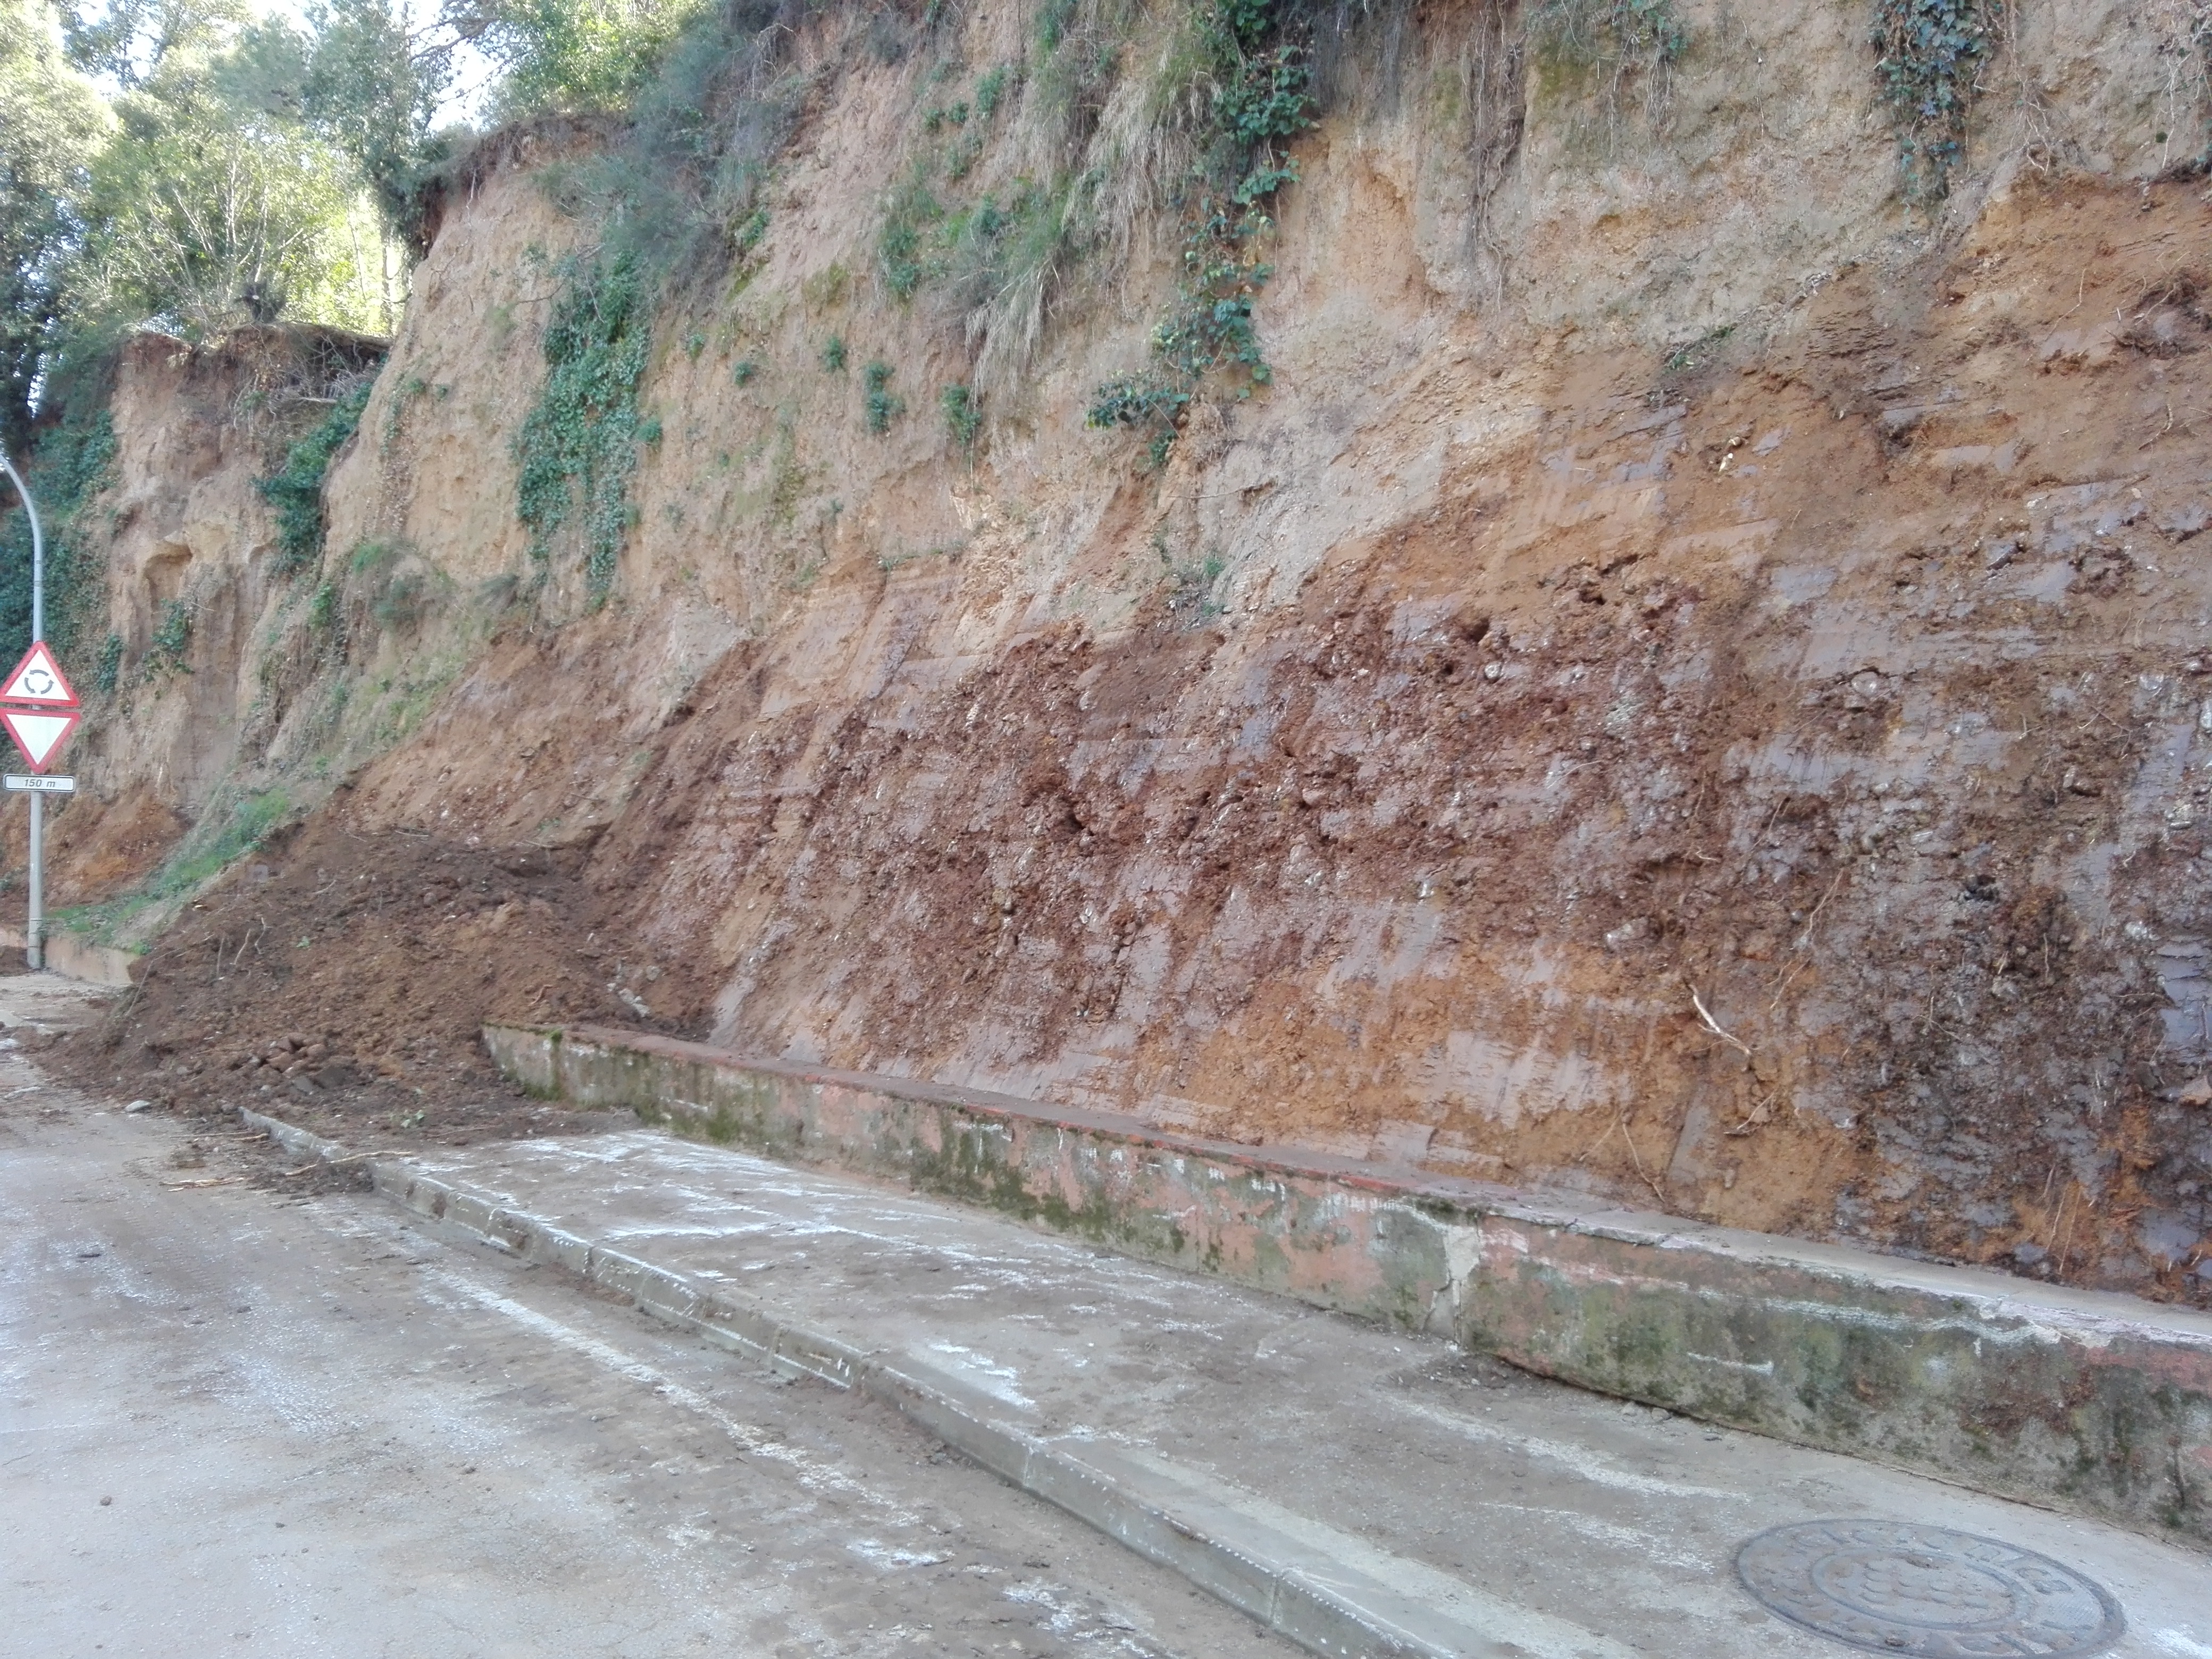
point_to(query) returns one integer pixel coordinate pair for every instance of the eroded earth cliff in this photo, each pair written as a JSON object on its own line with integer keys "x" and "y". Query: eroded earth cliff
{"x": 1690, "y": 682}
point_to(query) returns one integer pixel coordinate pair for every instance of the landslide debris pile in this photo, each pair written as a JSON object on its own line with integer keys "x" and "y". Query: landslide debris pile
{"x": 339, "y": 978}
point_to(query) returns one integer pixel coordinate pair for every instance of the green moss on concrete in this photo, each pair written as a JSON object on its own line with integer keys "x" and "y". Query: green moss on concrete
{"x": 1408, "y": 1253}
{"x": 1927, "y": 1382}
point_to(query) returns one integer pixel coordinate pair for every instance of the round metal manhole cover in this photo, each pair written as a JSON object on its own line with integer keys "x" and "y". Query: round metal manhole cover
{"x": 1891, "y": 1587}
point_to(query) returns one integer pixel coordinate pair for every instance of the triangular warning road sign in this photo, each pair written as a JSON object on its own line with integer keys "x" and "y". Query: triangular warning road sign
{"x": 40, "y": 734}
{"x": 38, "y": 680}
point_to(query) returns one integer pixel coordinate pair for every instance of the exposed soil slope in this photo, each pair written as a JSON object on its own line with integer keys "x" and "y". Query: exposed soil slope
{"x": 1691, "y": 684}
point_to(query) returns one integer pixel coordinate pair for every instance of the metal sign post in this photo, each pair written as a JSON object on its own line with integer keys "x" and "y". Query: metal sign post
{"x": 35, "y": 955}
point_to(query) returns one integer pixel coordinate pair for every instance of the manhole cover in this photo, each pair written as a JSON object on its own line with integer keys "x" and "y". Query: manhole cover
{"x": 1891, "y": 1587}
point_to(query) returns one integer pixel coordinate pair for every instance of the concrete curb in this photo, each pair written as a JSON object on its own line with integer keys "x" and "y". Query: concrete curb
{"x": 1328, "y": 1591}
{"x": 2096, "y": 1403}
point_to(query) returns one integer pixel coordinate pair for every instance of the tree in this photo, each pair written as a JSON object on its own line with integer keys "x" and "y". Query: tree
{"x": 51, "y": 122}
{"x": 130, "y": 40}
{"x": 216, "y": 202}
{"x": 372, "y": 87}
{"x": 572, "y": 54}
{"x": 205, "y": 215}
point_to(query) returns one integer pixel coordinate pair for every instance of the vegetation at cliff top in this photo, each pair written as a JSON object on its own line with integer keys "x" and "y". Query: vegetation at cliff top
{"x": 576, "y": 55}
{"x": 179, "y": 164}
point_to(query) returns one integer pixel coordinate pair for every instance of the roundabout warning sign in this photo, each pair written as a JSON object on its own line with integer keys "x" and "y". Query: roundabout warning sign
{"x": 38, "y": 681}
{"x": 38, "y": 707}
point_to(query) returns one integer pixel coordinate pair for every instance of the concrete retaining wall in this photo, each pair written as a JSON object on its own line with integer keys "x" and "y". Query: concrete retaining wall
{"x": 2097, "y": 1403}
{"x": 79, "y": 959}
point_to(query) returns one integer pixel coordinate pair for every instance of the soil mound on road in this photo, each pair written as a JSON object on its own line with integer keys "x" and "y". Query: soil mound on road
{"x": 339, "y": 978}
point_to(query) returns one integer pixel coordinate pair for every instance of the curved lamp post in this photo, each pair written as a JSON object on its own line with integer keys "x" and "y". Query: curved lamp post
{"x": 35, "y": 955}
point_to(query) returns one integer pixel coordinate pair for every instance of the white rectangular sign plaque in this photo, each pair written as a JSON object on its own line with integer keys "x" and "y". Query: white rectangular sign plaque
{"x": 45, "y": 785}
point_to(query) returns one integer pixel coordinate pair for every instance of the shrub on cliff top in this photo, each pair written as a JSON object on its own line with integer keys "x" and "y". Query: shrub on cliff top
{"x": 678, "y": 190}
{"x": 577, "y": 55}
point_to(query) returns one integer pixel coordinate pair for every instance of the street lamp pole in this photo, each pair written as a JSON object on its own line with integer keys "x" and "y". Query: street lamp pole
{"x": 35, "y": 955}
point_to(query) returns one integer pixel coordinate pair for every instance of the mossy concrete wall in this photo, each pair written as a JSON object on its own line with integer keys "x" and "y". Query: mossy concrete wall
{"x": 2097, "y": 1403}
{"x": 75, "y": 957}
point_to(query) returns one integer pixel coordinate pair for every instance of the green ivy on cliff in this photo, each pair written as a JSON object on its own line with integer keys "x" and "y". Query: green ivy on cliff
{"x": 295, "y": 491}
{"x": 1931, "y": 55}
{"x": 74, "y": 462}
{"x": 171, "y": 641}
{"x": 674, "y": 206}
{"x": 1261, "y": 77}
{"x": 577, "y": 447}
{"x": 107, "y": 670}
